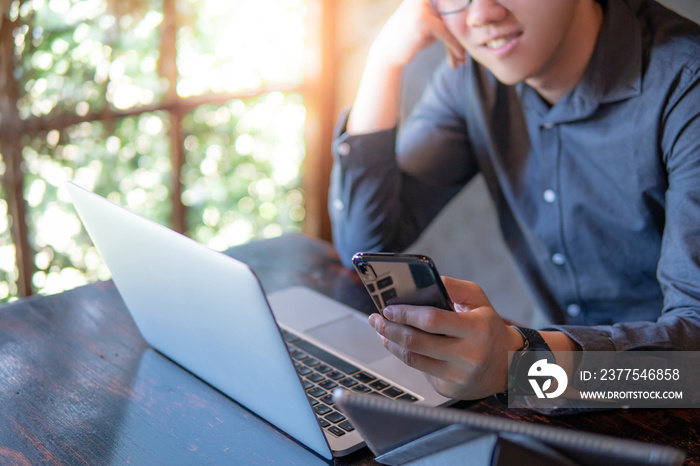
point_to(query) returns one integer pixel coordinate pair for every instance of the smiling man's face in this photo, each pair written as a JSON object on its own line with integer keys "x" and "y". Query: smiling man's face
{"x": 518, "y": 40}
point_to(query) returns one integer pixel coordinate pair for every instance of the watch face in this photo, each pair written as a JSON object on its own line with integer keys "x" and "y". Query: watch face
{"x": 521, "y": 372}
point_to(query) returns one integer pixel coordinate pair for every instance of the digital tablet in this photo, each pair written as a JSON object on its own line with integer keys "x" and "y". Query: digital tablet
{"x": 399, "y": 432}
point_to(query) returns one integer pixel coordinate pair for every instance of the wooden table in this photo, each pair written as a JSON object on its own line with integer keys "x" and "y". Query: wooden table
{"x": 78, "y": 384}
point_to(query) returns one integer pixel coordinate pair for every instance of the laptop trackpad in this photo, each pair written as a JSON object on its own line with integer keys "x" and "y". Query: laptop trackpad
{"x": 353, "y": 336}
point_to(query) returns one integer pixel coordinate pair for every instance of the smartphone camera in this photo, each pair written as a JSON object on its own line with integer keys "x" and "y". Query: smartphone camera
{"x": 367, "y": 271}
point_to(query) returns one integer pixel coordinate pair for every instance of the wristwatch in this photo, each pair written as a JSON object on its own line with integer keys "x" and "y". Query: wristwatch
{"x": 535, "y": 349}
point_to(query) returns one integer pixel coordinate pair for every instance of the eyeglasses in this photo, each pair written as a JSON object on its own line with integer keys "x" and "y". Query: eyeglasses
{"x": 447, "y": 7}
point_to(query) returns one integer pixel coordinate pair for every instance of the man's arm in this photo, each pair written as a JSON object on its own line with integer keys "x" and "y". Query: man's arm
{"x": 387, "y": 187}
{"x": 412, "y": 27}
{"x": 380, "y": 199}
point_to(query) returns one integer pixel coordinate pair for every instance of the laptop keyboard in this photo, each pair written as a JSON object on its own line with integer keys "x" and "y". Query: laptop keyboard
{"x": 321, "y": 372}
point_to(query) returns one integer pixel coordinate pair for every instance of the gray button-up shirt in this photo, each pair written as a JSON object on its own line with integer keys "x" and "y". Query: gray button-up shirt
{"x": 598, "y": 196}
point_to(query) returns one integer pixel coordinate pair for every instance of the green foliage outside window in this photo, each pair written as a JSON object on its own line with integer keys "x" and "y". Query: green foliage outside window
{"x": 127, "y": 162}
{"x": 8, "y": 267}
{"x": 243, "y": 169}
{"x": 76, "y": 54}
{"x": 243, "y": 158}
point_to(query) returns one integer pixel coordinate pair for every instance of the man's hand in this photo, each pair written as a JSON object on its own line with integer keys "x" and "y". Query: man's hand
{"x": 412, "y": 27}
{"x": 464, "y": 354}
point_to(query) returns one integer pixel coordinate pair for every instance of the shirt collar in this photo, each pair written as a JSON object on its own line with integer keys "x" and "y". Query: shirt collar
{"x": 613, "y": 74}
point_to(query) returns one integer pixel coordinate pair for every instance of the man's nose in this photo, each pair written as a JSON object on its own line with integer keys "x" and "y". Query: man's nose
{"x": 484, "y": 12}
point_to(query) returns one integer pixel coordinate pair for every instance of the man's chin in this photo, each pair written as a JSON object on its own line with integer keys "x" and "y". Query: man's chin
{"x": 506, "y": 75}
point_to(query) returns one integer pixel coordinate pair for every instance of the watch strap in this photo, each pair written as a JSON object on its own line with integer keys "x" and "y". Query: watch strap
{"x": 532, "y": 338}
{"x": 534, "y": 342}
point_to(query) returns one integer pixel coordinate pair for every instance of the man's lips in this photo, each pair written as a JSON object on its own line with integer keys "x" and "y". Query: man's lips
{"x": 500, "y": 41}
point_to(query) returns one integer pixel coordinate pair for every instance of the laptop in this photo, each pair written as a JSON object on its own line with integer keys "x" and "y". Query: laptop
{"x": 280, "y": 355}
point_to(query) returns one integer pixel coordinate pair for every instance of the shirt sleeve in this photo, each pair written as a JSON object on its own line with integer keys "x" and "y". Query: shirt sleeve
{"x": 386, "y": 187}
{"x": 678, "y": 272}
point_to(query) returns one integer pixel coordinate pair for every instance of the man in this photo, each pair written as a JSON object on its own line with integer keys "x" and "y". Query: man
{"x": 584, "y": 119}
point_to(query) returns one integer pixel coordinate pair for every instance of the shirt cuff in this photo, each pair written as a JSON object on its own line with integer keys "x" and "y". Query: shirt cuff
{"x": 588, "y": 338}
{"x": 368, "y": 150}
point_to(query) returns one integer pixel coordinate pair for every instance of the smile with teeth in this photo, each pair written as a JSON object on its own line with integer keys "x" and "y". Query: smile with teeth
{"x": 500, "y": 42}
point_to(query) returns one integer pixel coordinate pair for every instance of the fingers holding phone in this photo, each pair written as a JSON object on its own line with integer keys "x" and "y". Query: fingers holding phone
{"x": 464, "y": 354}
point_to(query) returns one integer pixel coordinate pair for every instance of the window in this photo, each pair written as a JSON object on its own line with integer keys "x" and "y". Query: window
{"x": 200, "y": 114}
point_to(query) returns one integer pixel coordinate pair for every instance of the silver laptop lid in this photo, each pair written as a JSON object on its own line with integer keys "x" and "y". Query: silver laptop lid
{"x": 204, "y": 310}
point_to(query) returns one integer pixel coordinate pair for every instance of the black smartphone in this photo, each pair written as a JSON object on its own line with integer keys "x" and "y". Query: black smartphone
{"x": 392, "y": 278}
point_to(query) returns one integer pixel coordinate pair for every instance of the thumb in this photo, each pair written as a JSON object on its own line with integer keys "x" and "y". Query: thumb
{"x": 466, "y": 294}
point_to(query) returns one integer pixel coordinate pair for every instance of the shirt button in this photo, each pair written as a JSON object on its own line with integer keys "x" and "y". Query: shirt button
{"x": 573, "y": 310}
{"x": 547, "y": 125}
{"x": 549, "y": 196}
{"x": 338, "y": 205}
{"x": 343, "y": 149}
{"x": 559, "y": 259}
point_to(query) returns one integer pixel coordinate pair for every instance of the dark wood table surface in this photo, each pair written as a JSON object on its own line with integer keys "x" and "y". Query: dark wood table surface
{"x": 79, "y": 385}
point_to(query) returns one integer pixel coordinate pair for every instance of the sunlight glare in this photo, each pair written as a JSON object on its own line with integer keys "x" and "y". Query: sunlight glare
{"x": 259, "y": 41}
{"x": 7, "y": 258}
{"x": 56, "y": 228}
